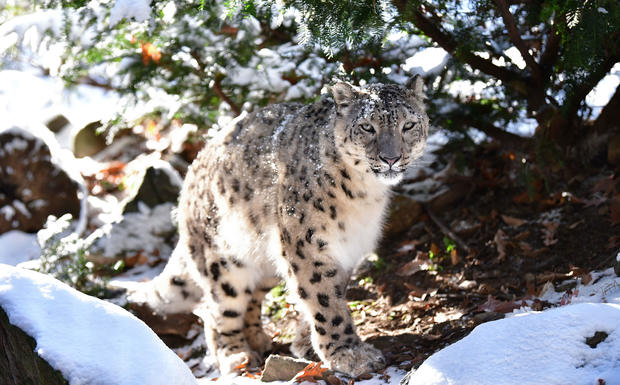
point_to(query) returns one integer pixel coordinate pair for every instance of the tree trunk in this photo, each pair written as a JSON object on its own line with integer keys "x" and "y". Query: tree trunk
{"x": 19, "y": 363}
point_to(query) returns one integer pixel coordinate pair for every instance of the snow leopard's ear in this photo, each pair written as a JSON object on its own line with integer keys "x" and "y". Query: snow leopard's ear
{"x": 416, "y": 84}
{"x": 343, "y": 94}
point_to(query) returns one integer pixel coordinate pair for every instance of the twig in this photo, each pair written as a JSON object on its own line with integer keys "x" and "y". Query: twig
{"x": 218, "y": 90}
{"x": 446, "y": 230}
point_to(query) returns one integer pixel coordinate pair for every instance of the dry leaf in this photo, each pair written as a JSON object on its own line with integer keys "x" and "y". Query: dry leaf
{"x": 500, "y": 240}
{"x": 309, "y": 373}
{"x": 333, "y": 380}
{"x": 242, "y": 365}
{"x": 549, "y": 233}
{"x": 494, "y": 305}
{"x": 419, "y": 263}
{"x": 512, "y": 221}
{"x": 435, "y": 249}
{"x": 150, "y": 52}
{"x": 454, "y": 257}
{"x": 586, "y": 279}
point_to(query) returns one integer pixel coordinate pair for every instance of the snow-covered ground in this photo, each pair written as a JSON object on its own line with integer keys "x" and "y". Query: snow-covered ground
{"x": 89, "y": 340}
{"x": 548, "y": 347}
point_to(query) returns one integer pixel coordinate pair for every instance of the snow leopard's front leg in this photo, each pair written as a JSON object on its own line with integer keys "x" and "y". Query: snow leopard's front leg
{"x": 320, "y": 283}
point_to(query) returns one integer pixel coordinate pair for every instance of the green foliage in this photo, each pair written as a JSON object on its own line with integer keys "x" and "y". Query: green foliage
{"x": 63, "y": 256}
{"x": 275, "y": 306}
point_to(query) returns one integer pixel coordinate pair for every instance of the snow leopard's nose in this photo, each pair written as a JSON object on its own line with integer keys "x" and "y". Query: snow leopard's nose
{"x": 390, "y": 160}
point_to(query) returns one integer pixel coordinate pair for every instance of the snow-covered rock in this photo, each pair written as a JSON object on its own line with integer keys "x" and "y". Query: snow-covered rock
{"x": 550, "y": 347}
{"x": 88, "y": 340}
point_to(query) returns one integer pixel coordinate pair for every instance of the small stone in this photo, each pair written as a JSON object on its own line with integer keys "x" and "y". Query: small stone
{"x": 280, "y": 368}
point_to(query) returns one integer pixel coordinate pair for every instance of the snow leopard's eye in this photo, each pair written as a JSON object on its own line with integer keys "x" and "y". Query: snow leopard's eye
{"x": 367, "y": 127}
{"x": 408, "y": 126}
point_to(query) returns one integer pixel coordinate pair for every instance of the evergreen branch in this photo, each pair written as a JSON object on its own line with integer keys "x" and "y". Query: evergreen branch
{"x": 515, "y": 38}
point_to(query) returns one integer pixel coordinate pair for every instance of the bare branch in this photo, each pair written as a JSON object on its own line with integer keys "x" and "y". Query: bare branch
{"x": 550, "y": 55}
{"x": 448, "y": 43}
{"x": 515, "y": 38}
{"x": 218, "y": 90}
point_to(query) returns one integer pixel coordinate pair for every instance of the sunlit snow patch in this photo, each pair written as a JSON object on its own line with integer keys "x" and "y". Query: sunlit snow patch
{"x": 89, "y": 340}
{"x": 17, "y": 247}
{"x": 550, "y": 347}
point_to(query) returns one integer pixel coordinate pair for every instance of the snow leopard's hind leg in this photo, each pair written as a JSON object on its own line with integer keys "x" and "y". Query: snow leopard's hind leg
{"x": 227, "y": 284}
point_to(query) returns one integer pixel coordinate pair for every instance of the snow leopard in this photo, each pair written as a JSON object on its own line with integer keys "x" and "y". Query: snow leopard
{"x": 296, "y": 193}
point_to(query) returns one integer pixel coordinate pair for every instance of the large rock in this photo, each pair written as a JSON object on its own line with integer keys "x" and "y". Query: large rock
{"x": 156, "y": 183}
{"x": 33, "y": 186}
{"x": 19, "y": 362}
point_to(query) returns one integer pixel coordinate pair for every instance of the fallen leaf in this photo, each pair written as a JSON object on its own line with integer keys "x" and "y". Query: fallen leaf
{"x": 419, "y": 263}
{"x": 435, "y": 249}
{"x": 512, "y": 221}
{"x": 586, "y": 279}
{"x": 500, "y": 243}
{"x": 525, "y": 247}
{"x": 333, "y": 380}
{"x": 309, "y": 373}
{"x": 549, "y": 233}
{"x": 494, "y": 305}
{"x": 454, "y": 257}
{"x": 243, "y": 365}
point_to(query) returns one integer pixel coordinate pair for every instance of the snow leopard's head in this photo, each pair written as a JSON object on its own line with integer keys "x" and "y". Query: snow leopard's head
{"x": 382, "y": 126}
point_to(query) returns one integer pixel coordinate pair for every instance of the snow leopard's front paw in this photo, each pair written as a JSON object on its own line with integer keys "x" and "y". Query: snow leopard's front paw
{"x": 356, "y": 360}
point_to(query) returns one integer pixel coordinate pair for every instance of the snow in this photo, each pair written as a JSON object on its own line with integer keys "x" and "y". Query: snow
{"x": 8, "y": 212}
{"x": 550, "y": 344}
{"x": 427, "y": 61}
{"x": 17, "y": 247}
{"x": 536, "y": 348}
{"x": 515, "y": 56}
{"x": 137, "y": 232}
{"x": 604, "y": 90}
{"x": 130, "y": 9}
{"x": 89, "y": 340}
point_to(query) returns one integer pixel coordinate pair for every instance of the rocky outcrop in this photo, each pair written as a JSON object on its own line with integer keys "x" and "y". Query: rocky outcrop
{"x": 19, "y": 362}
{"x": 33, "y": 186}
{"x": 158, "y": 183}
